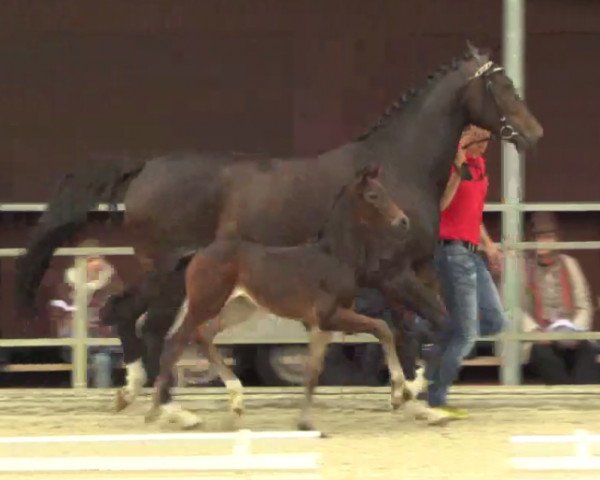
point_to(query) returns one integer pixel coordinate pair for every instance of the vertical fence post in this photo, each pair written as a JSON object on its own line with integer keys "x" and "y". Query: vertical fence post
{"x": 513, "y": 56}
{"x": 79, "y": 350}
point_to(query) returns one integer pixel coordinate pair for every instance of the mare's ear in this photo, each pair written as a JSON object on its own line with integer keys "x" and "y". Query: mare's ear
{"x": 479, "y": 55}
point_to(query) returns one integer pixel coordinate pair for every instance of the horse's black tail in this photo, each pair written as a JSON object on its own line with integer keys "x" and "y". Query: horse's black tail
{"x": 65, "y": 216}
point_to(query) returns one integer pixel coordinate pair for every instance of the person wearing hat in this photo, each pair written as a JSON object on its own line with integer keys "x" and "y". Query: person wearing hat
{"x": 102, "y": 282}
{"x": 557, "y": 297}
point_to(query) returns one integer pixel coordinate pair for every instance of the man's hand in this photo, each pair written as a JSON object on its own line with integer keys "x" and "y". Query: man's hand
{"x": 461, "y": 153}
{"x": 494, "y": 256}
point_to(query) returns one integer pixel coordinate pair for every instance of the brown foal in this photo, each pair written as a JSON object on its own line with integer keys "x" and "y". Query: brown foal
{"x": 315, "y": 283}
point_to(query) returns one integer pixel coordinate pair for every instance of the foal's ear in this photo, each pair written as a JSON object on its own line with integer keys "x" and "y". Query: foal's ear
{"x": 367, "y": 173}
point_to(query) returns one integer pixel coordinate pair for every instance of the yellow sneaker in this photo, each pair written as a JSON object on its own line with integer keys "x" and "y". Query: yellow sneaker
{"x": 455, "y": 413}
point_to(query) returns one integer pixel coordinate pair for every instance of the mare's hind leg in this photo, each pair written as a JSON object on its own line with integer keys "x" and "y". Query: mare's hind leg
{"x": 162, "y": 400}
{"x": 122, "y": 310}
{"x": 209, "y": 283}
{"x": 319, "y": 340}
{"x": 206, "y": 335}
{"x": 166, "y": 296}
{"x": 346, "y": 320}
{"x": 160, "y": 296}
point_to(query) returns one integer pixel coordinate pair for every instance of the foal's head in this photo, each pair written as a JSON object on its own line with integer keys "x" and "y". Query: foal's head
{"x": 371, "y": 204}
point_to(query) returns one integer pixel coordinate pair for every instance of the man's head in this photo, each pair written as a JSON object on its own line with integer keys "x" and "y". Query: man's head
{"x": 476, "y": 140}
{"x": 543, "y": 227}
{"x": 96, "y": 264}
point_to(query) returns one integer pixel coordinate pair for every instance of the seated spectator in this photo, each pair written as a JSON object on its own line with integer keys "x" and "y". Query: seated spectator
{"x": 102, "y": 281}
{"x": 557, "y": 298}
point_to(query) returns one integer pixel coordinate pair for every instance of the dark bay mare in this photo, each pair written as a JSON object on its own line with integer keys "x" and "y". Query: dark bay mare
{"x": 315, "y": 282}
{"x": 177, "y": 203}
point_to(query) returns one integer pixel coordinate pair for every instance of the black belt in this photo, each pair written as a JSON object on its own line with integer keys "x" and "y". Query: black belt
{"x": 471, "y": 247}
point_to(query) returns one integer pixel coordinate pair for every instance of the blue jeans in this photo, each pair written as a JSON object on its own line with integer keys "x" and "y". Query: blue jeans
{"x": 474, "y": 308}
{"x": 100, "y": 364}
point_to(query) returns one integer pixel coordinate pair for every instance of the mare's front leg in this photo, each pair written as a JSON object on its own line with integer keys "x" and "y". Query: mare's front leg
{"x": 318, "y": 342}
{"x": 406, "y": 289}
{"x": 162, "y": 401}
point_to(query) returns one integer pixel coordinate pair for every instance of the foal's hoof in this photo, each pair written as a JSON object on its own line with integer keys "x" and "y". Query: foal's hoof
{"x": 121, "y": 401}
{"x": 237, "y": 407}
{"x": 237, "y": 412}
{"x": 396, "y": 401}
{"x": 306, "y": 426}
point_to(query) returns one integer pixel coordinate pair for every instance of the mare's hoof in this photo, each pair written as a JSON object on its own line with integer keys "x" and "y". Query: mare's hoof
{"x": 152, "y": 415}
{"x": 191, "y": 425}
{"x": 121, "y": 402}
{"x": 439, "y": 421}
{"x": 184, "y": 419}
{"x": 433, "y": 416}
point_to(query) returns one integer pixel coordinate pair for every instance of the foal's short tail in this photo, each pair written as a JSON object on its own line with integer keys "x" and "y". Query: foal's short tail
{"x": 65, "y": 216}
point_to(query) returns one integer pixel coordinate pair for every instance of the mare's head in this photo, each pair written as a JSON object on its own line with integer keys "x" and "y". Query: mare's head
{"x": 371, "y": 204}
{"x": 492, "y": 102}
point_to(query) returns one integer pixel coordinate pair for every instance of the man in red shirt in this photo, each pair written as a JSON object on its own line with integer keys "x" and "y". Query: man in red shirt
{"x": 469, "y": 292}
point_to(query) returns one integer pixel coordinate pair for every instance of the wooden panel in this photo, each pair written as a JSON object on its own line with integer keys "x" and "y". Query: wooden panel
{"x": 78, "y": 80}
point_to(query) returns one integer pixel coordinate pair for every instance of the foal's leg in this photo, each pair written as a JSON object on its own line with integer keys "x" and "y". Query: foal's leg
{"x": 206, "y": 335}
{"x": 314, "y": 366}
{"x": 209, "y": 284}
{"x": 347, "y": 320}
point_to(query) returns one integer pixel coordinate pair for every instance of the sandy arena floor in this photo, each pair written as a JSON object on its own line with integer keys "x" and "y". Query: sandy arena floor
{"x": 367, "y": 441}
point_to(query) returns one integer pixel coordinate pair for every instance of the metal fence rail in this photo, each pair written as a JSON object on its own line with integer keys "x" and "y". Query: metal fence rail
{"x": 489, "y": 207}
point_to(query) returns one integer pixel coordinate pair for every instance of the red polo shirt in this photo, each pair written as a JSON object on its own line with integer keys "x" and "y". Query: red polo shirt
{"x": 462, "y": 218}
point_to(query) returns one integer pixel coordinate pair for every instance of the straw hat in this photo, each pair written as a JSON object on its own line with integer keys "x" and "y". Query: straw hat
{"x": 543, "y": 222}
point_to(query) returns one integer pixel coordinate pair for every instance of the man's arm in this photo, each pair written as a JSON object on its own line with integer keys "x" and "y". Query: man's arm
{"x": 491, "y": 250}
{"x": 454, "y": 181}
{"x": 450, "y": 191}
{"x": 486, "y": 241}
